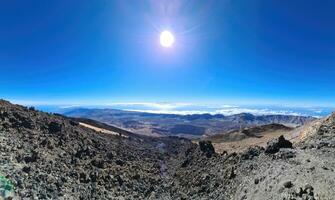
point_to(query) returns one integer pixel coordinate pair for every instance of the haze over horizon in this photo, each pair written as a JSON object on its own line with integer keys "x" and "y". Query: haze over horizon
{"x": 191, "y": 108}
{"x": 216, "y": 52}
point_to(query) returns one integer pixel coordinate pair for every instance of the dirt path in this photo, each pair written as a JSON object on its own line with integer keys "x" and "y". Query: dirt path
{"x": 101, "y": 130}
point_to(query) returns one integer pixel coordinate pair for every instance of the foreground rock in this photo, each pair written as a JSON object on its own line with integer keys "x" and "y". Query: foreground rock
{"x": 207, "y": 148}
{"x": 46, "y": 156}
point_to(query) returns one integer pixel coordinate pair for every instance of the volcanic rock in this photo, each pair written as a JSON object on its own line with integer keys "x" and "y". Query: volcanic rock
{"x": 275, "y": 145}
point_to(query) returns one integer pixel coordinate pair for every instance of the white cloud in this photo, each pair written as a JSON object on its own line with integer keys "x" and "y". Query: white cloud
{"x": 233, "y": 111}
{"x": 188, "y": 109}
{"x": 177, "y": 112}
{"x": 159, "y": 106}
{"x": 227, "y": 112}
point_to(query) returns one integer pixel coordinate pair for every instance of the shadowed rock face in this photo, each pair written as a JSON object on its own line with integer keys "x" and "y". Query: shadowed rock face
{"x": 51, "y": 157}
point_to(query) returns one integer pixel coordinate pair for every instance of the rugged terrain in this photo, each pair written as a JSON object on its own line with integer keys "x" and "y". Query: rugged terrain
{"x": 45, "y": 156}
{"x": 241, "y": 139}
{"x": 189, "y": 126}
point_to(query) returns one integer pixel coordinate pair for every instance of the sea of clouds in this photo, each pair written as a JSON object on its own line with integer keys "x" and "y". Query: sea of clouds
{"x": 188, "y": 108}
{"x": 194, "y": 108}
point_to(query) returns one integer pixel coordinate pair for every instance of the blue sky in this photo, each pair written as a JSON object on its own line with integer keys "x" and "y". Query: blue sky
{"x": 226, "y": 51}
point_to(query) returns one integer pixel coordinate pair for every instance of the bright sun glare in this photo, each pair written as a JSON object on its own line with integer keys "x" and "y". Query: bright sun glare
{"x": 166, "y": 39}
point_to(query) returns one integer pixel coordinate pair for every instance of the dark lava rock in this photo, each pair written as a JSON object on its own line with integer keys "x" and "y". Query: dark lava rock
{"x": 26, "y": 169}
{"x": 288, "y": 184}
{"x": 31, "y": 158}
{"x": 55, "y": 127}
{"x": 74, "y": 123}
{"x": 47, "y": 143}
{"x": 119, "y": 162}
{"x": 27, "y": 123}
{"x": 99, "y": 163}
{"x": 84, "y": 178}
{"x": 207, "y": 148}
{"x": 119, "y": 180}
{"x": 305, "y": 192}
{"x": 256, "y": 181}
{"x": 110, "y": 155}
{"x": 252, "y": 152}
{"x": 285, "y": 154}
{"x": 83, "y": 153}
{"x": 20, "y": 120}
{"x": 186, "y": 162}
{"x": 230, "y": 173}
{"x": 275, "y": 145}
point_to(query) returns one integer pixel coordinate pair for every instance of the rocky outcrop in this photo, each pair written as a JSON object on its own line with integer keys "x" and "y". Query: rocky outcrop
{"x": 275, "y": 145}
{"x": 207, "y": 148}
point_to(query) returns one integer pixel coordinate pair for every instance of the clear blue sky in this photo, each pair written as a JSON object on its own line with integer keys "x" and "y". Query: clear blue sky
{"x": 279, "y": 51}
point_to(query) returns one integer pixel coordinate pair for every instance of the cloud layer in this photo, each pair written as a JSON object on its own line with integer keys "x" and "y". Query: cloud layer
{"x": 187, "y": 109}
{"x": 190, "y": 108}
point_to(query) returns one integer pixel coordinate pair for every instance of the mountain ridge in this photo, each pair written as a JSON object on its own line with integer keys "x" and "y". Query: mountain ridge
{"x": 190, "y": 126}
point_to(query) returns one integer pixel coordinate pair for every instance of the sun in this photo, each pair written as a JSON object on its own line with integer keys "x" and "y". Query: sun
{"x": 166, "y": 39}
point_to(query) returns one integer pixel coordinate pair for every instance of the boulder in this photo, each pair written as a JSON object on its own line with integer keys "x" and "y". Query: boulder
{"x": 275, "y": 145}
{"x": 33, "y": 157}
{"x": 207, "y": 148}
{"x": 288, "y": 184}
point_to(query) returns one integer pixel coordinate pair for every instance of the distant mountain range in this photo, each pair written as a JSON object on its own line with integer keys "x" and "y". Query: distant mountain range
{"x": 195, "y": 125}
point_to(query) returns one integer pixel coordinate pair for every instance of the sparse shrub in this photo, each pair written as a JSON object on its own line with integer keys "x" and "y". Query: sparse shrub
{"x": 6, "y": 188}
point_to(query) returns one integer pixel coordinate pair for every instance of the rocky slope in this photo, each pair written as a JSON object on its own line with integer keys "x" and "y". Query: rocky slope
{"x": 240, "y": 140}
{"x": 46, "y": 156}
{"x": 253, "y": 132}
{"x": 305, "y": 172}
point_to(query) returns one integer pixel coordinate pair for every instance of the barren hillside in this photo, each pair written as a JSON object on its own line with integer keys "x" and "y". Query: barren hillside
{"x": 45, "y": 156}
